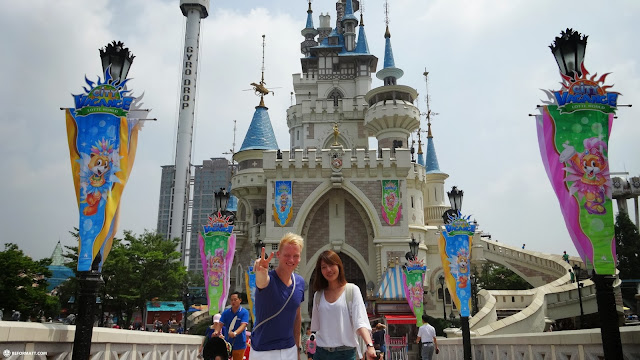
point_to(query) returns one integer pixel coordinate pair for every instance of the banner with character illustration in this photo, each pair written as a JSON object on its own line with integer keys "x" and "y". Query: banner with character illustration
{"x": 217, "y": 248}
{"x": 102, "y": 145}
{"x": 391, "y": 206}
{"x": 413, "y": 278}
{"x": 250, "y": 284}
{"x": 455, "y": 251}
{"x": 573, "y": 135}
{"x": 283, "y": 204}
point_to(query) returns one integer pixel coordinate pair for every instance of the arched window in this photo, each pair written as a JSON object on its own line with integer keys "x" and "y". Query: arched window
{"x": 335, "y": 95}
{"x": 447, "y": 296}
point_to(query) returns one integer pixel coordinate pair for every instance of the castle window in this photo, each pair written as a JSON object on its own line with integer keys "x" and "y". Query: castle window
{"x": 335, "y": 95}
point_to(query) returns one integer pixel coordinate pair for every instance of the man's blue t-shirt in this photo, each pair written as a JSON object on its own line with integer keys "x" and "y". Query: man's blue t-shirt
{"x": 240, "y": 341}
{"x": 277, "y": 333}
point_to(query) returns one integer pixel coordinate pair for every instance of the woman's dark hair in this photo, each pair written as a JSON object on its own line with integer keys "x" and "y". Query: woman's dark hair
{"x": 330, "y": 258}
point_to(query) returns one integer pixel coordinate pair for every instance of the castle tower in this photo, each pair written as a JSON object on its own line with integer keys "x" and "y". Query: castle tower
{"x": 434, "y": 201}
{"x": 309, "y": 33}
{"x": 349, "y": 23}
{"x": 391, "y": 116}
{"x": 194, "y": 11}
{"x": 335, "y": 77}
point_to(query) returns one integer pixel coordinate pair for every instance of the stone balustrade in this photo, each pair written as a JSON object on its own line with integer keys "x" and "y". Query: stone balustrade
{"x": 560, "y": 345}
{"x": 30, "y": 341}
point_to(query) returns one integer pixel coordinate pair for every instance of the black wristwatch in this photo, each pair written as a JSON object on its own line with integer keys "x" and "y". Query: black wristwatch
{"x": 369, "y": 345}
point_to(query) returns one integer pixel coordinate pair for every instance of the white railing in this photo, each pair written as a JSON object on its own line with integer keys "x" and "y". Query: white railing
{"x": 27, "y": 341}
{"x": 574, "y": 345}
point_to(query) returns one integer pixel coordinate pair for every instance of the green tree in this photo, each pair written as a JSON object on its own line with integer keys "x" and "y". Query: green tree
{"x": 498, "y": 277}
{"x": 23, "y": 284}
{"x": 627, "y": 247}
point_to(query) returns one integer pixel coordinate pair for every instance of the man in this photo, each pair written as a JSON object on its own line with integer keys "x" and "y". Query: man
{"x": 427, "y": 336}
{"x": 213, "y": 346}
{"x": 279, "y": 293}
{"x": 565, "y": 257}
{"x": 235, "y": 319}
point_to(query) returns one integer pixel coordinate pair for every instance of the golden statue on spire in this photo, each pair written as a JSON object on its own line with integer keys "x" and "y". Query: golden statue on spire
{"x": 260, "y": 88}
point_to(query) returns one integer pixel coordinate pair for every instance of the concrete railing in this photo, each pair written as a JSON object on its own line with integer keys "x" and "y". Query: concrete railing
{"x": 27, "y": 341}
{"x": 360, "y": 158}
{"x": 574, "y": 345}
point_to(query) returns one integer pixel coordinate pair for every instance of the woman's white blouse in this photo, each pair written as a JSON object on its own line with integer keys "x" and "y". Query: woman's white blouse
{"x": 331, "y": 321}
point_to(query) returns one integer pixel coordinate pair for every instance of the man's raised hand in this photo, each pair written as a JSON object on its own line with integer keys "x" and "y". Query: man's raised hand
{"x": 262, "y": 263}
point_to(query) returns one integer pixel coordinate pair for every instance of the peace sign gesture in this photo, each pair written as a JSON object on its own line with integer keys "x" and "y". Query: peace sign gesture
{"x": 261, "y": 267}
{"x": 262, "y": 263}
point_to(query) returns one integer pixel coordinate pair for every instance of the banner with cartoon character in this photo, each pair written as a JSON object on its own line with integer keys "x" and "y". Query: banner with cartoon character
{"x": 391, "y": 206}
{"x": 283, "y": 204}
{"x": 217, "y": 248}
{"x": 573, "y": 135}
{"x": 412, "y": 279}
{"x": 455, "y": 251}
{"x": 250, "y": 283}
{"x": 102, "y": 145}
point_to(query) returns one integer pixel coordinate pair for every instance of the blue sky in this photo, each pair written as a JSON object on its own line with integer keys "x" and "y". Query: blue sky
{"x": 487, "y": 59}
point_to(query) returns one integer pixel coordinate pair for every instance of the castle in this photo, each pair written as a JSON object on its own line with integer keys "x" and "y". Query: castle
{"x": 331, "y": 187}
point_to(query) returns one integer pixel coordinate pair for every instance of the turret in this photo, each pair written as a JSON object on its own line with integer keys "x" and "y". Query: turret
{"x": 309, "y": 33}
{"x": 390, "y": 73}
{"x": 349, "y": 23}
{"x": 325, "y": 27}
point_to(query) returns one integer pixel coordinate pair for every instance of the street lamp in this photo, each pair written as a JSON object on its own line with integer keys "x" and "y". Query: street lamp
{"x": 413, "y": 245}
{"x": 568, "y": 49}
{"x": 186, "y": 296}
{"x": 576, "y": 273}
{"x": 444, "y": 307}
{"x": 120, "y": 59}
{"x": 222, "y": 198}
{"x": 89, "y": 282}
{"x": 455, "y": 198}
{"x": 474, "y": 293}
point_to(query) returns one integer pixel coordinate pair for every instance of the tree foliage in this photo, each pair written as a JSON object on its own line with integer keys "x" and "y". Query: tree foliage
{"x": 138, "y": 269}
{"x": 627, "y": 247}
{"x": 23, "y": 284}
{"x": 498, "y": 277}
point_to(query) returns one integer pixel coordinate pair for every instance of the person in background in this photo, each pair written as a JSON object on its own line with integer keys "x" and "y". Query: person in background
{"x": 379, "y": 338}
{"x": 213, "y": 346}
{"x": 565, "y": 257}
{"x": 427, "y": 339}
{"x": 235, "y": 319}
{"x": 311, "y": 346}
{"x": 573, "y": 276}
{"x": 247, "y": 351}
{"x": 523, "y": 246}
{"x": 303, "y": 340}
{"x": 334, "y": 320}
{"x": 279, "y": 293}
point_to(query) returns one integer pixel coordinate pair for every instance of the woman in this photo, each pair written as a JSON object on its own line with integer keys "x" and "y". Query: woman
{"x": 379, "y": 338}
{"x": 337, "y": 317}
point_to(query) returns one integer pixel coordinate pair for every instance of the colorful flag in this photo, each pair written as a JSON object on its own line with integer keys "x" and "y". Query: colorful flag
{"x": 455, "y": 252}
{"x": 573, "y": 134}
{"x": 283, "y": 204}
{"x": 102, "y": 146}
{"x": 391, "y": 206}
{"x": 250, "y": 283}
{"x": 217, "y": 248}
{"x": 413, "y": 278}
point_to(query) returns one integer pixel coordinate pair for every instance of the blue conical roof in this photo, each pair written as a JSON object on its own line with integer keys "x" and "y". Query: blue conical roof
{"x": 432, "y": 159}
{"x": 309, "y": 18}
{"x": 362, "y": 47}
{"x": 260, "y": 135}
{"x": 421, "y": 159}
{"x": 388, "y": 53}
{"x": 348, "y": 12}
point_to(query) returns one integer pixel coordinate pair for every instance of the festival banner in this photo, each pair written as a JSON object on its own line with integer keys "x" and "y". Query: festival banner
{"x": 102, "y": 144}
{"x": 391, "y": 206}
{"x": 455, "y": 251}
{"x": 573, "y": 134}
{"x": 283, "y": 204}
{"x": 250, "y": 283}
{"x": 217, "y": 248}
{"x": 413, "y": 278}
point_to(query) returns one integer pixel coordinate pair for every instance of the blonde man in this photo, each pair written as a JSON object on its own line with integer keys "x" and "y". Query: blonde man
{"x": 279, "y": 293}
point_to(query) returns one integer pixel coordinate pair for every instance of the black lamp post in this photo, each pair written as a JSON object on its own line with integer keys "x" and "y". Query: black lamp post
{"x": 120, "y": 59}
{"x": 576, "y": 273}
{"x": 444, "y": 307}
{"x": 474, "y": 293}
{"x": 186, "y": 297}
{"x": 455, "y": 198}
{"x": 413, "y": 245}
{"x": 221, "y": 201}
{"x": 568, "y": 49}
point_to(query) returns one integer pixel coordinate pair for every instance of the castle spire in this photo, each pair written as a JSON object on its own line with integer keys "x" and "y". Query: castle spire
{"x": 309, "y": 33}
{"x": 420, "y": 153}
{"x": 362, "y": 47}
{"x": 390, "y": 73}
{"x": 431, "y": 163}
